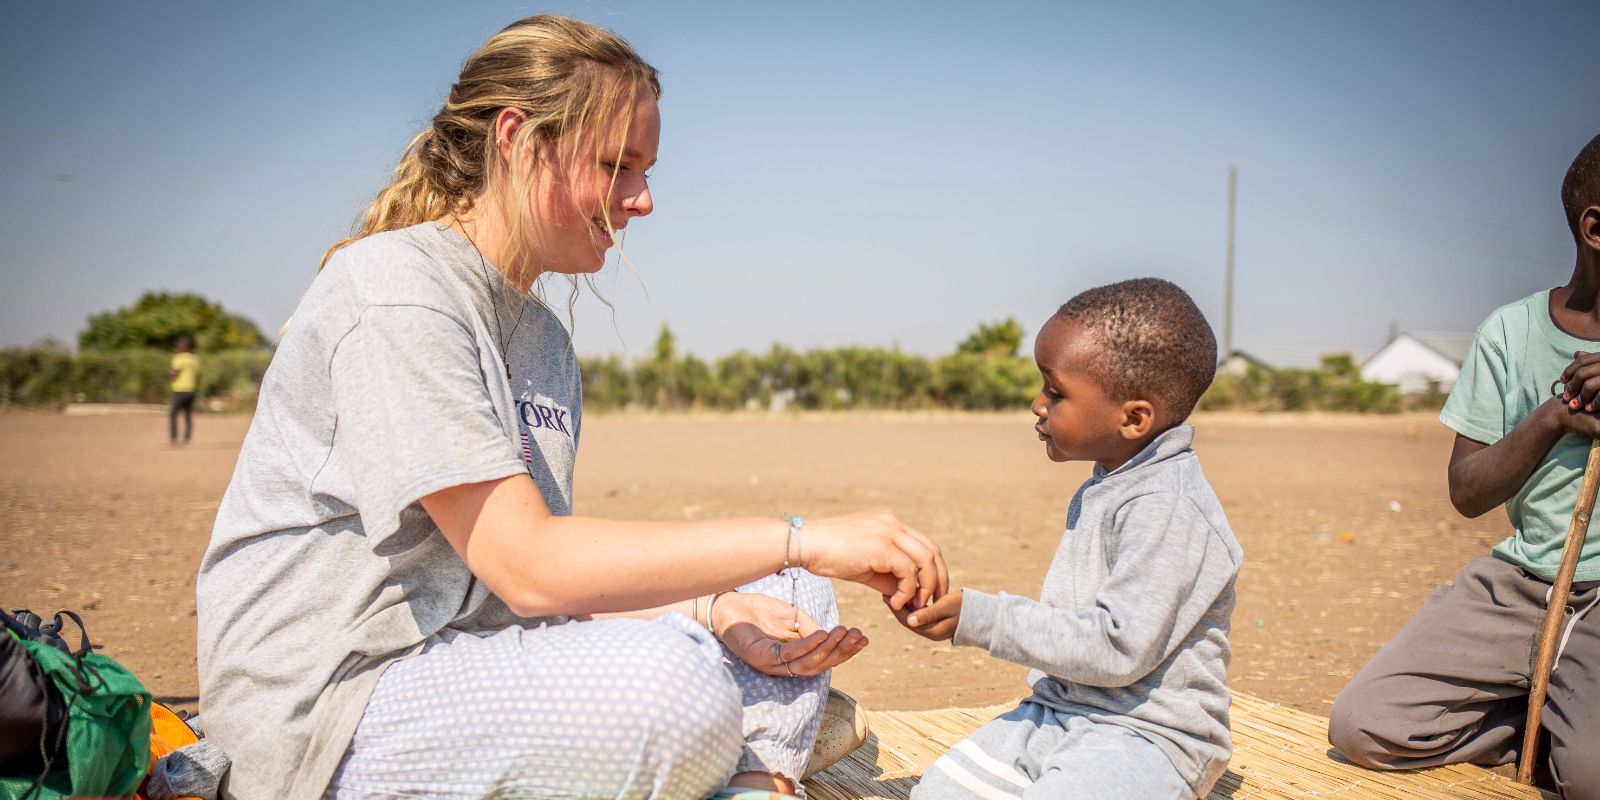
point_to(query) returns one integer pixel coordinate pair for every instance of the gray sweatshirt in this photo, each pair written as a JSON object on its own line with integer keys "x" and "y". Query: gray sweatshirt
{"x": 1131, "y": 627}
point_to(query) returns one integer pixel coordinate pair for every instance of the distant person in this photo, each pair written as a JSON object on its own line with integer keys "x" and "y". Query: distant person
{"x": 1128, "y": 641}
{"x": 1452, "y": 686}
{"x": 397, "y": 597}
{"x": 185, "y": 373}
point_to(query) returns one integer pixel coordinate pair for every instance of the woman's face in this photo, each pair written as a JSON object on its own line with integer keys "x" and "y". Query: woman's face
{"x": 573, "y": 202}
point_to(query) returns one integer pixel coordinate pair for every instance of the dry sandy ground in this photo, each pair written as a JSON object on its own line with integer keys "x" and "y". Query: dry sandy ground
{"x": 1345, "y": 525}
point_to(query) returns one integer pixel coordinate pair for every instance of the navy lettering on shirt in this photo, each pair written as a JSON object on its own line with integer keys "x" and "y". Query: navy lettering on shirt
{"x": 536, "y": 416}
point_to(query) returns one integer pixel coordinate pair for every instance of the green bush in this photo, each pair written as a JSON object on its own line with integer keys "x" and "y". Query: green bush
{"x": 984, "y": 374}
{"x": 842, "y": 378}
{"x": 158, "y": 319}
{"x": 1335, "y": 386}
{"x": 47, "y": 374}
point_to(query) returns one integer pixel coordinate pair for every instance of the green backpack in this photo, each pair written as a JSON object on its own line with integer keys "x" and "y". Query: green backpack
{"x": 108, "y": 718}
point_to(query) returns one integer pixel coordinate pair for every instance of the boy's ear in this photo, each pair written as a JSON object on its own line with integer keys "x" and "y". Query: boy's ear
{"x": 1138, "y": 418}
{"x": 1589, "y": 227}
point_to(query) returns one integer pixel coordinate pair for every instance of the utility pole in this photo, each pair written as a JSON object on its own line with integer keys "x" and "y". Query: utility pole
{"x": 1227, "y": 308}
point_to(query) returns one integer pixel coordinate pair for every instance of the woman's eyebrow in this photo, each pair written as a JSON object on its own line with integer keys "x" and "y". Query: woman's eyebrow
{"x": 628, "y": 152}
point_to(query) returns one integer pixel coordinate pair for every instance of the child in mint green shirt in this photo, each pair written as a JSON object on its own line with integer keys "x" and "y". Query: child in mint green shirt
{"x": 1452, "y": 685}
{"x": 1516, "y": 355}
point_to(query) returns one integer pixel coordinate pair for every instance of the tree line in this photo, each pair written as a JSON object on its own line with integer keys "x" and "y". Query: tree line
{"x": 123, "y": 355}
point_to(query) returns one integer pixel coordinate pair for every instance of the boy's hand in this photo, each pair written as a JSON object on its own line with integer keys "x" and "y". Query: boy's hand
{"x": 1570, "y": 420}
{"x": 936, "y": 622}
{"x": 1580, "y": 390}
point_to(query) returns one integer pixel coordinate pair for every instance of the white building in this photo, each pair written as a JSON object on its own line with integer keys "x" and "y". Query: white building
{"x": 1413, "y": 361}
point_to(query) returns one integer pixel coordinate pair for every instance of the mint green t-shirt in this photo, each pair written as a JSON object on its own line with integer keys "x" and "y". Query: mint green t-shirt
{"x": 1517, "y": 353}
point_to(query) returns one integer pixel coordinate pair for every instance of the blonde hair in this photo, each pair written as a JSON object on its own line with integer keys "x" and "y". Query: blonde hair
{"x": 569, "y": 77}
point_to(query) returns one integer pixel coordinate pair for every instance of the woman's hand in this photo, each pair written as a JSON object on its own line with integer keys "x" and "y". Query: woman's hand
{"x": 779, "y": 639}
{"x": 876, "y": 549}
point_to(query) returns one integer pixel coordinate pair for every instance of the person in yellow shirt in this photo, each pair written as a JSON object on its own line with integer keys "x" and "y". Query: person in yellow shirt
{"x": 184, "y": 371}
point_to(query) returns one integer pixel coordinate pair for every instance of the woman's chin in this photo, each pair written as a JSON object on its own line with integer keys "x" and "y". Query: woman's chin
{"x": 586, "y": 267}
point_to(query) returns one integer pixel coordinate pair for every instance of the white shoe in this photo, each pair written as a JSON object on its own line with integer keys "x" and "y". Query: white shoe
{"x": 844, "y": 728}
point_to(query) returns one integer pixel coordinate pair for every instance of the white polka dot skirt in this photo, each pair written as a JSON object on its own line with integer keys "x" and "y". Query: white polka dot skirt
{"x": 615, "y": 708}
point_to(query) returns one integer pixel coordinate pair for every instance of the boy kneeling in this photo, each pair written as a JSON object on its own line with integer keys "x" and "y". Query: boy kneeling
{"x": 1129, "y": 639}
{"x": 1452, "y": 685}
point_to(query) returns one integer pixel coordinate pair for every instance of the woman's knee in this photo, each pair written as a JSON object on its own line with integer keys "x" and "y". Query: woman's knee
{"x": 669, "y": 663}
{"x": 679, "y": 698}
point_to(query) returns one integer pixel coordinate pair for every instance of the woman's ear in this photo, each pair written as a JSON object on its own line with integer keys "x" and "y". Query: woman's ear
{"x": 506, "y": 123}
{"x": 1138, "y": 418}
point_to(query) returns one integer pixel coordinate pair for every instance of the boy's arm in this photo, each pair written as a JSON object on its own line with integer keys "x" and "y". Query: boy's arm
{"x": 1170, "y": 567}
{"x": 1482, "y": 476}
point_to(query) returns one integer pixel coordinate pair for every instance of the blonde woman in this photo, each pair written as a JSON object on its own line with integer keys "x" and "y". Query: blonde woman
{"x": 397, "y": 599}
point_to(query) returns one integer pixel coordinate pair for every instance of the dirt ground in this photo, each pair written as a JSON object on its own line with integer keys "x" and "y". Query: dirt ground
{"x": 1345, "y": 525}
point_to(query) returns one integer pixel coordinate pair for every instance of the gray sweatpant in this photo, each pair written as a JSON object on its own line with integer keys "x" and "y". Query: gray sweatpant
{"x": 1034, "y": 751}
{"x": 616, "y": 708}
{"x": 1452, "y": 686}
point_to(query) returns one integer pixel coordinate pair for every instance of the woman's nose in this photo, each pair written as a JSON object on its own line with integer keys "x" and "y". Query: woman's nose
{"x": 638, "y": 203}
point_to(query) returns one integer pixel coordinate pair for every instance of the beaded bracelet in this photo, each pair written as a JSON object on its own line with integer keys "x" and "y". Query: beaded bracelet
{"x": 796, "y": 522}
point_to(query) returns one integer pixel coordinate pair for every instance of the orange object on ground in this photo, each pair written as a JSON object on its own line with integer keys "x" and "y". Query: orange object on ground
{"x": 167, "y": 733}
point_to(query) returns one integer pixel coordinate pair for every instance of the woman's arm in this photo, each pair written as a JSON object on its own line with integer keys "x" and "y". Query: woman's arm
{"x": 540, "y": 564}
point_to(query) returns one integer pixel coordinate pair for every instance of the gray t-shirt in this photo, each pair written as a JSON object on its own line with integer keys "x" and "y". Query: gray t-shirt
{"x": 323, "y": 567}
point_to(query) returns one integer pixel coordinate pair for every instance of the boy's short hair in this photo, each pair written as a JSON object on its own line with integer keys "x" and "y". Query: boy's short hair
{"x": 1581, "y": 188}
{"x": 1154, "y": 343}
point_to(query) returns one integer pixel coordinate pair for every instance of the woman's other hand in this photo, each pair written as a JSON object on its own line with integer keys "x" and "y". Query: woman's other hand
{"x": 778, "y": 639}
{"x": 877, "y": 549}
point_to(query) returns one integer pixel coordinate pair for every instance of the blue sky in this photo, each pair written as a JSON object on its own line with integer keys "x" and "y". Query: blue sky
{"x": 886, "y": 173}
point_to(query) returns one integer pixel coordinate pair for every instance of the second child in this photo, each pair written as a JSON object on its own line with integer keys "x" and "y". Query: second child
{"x": 1128, "y": 641}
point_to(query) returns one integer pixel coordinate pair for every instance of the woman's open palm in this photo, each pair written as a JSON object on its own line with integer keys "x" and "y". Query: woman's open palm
{"x": 779, "y": 639}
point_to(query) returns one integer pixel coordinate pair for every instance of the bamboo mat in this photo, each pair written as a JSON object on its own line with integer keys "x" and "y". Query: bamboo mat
{"x": 1278, "y": 752}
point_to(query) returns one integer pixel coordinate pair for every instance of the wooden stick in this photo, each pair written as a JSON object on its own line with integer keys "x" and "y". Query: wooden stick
{"x": 1556, "y": 611}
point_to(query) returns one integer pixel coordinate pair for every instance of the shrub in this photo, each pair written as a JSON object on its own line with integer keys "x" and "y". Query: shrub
{"x": 47, "y": 374}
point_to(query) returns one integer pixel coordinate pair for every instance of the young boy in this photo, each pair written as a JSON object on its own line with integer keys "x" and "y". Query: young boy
{"x": 183, "y": 370}
{"x": 1452, "y": 685}
{"x": 1129, "y": 639}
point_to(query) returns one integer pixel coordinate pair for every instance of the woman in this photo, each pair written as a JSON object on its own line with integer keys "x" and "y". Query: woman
{"x": 396, "y": 598}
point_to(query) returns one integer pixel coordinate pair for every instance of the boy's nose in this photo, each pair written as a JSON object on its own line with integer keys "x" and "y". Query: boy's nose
{"x": 1038, "y": 407}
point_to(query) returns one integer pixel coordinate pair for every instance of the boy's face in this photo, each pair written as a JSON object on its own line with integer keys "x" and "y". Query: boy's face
{"x": 1077, "y": 420}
